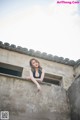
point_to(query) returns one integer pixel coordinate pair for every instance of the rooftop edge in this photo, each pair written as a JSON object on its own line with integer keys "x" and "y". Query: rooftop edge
{"x": 38, "y": 54}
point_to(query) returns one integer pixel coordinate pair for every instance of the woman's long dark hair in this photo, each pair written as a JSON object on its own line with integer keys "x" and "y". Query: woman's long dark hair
{"x": 32, "y": 68}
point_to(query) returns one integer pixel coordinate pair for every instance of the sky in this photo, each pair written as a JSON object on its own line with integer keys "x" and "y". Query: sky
{"x": 42, "y": 25}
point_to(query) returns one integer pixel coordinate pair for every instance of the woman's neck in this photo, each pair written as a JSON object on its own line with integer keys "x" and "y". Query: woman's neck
{"x": 36, "y": 69}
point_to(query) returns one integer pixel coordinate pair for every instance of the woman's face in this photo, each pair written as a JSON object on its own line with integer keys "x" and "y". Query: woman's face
{"x": 35, "y": 64}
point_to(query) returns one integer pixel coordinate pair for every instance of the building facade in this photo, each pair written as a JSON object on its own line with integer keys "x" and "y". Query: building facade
{"x": 20, "y": 97}
{"x": 15, "y": 61}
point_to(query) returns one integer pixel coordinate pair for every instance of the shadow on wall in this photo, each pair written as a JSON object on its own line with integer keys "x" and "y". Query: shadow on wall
{"x": 74, "y": 98}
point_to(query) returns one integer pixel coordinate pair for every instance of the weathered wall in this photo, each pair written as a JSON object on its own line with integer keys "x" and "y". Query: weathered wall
{"x": 24, "y": 102}
{"x": 74, "y": 98}
{"x": 22, "y": 60}
{"x": 77, "y": 69}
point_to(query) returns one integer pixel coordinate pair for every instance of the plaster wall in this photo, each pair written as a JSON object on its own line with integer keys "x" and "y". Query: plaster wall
{"x": 54, "y": 68}
{"x": 74, "y": 98}
{"x": 77, "y": 70}
{"x": 24, "y": 102}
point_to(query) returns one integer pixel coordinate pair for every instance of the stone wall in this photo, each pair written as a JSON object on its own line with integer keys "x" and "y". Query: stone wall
{"x": 77, "y": 69}
{"x": 74, "y": 98}
{"x": 24, "y": 102}
{"x": 50, "y": 67}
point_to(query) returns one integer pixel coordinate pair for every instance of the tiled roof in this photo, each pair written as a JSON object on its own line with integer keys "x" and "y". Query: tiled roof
{"x": 38, "y": 54}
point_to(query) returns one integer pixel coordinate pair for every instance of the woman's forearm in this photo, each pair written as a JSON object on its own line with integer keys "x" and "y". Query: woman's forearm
{"x": 37, "y": 84}
{"x": 35, "y": 81}
{"x": 39, "y": 80}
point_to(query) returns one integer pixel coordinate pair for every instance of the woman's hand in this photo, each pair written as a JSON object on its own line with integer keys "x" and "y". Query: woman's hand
{"x": 39, "y": 87}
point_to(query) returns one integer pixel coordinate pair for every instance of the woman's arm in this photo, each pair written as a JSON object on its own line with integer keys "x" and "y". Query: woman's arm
{"x": 34, "y": 80}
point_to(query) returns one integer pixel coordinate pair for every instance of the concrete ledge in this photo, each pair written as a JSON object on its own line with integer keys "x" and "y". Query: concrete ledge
{"x": 23, "y": 79}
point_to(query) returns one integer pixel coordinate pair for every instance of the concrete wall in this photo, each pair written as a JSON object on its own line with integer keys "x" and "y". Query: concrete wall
{"x": 77, "y": 70}
{"x": 54, "y": 68}
{"x": 74, "y": 98}
{"x": 24, "y": 102}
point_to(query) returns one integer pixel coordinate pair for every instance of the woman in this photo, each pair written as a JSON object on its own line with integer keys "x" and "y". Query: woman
{"x": 36, "y": 72}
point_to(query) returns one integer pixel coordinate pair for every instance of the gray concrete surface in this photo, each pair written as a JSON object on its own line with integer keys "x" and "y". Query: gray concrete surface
{"x": 74, "y": 98}
{"x": 24, "y": 102}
